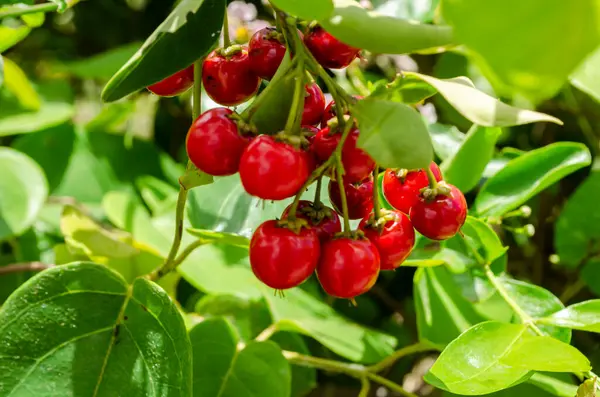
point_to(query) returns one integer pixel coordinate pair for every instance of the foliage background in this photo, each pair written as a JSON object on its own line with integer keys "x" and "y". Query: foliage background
{"x": 118, "y": 164}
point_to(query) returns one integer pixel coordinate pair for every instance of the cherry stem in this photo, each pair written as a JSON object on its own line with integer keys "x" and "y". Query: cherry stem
{"x": 295, "y": 117}
{"x": 339, "y": 167}
{"x": 431, "y": 178}
{"x": 18, "y": 11}
{"x": 277, "y": 79}
{"x": 317, "y": 173}
{"x": 317, "y": 200}
{"x": 226, "y": 39}
{"x": 376, "y": 203}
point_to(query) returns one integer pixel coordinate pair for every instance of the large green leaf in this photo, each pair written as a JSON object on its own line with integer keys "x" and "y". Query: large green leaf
{"x": 79, "y": 330}
{"x": 465, "y": 167}
{"x": 9, "y": 36}
{"x": 577, "y": 227}
{"x": 223, "y": 370}
{"x": 301, "y": 312}
{"x": 23, "y": 189}
{"x": 18, "y": 83}
{"x": 442, "y": 312}
{"x": 544, "y": 353}
{"x": 101, "y": 66}
{"x": 537, "y": 302}
{"x": 49, "y": 115}
{"x": 1, "y": 71}
{"x": 379, "y": 33}
{"x": 479, "y": 107}
{"x": 306, "y": 9}
{"x": 472, "y": 363}
{"x": 394, "y": 134}
{"x": 544, "y": 58}
{"x": 529, "y": 174}
{"x": 419, "y": 10}
{"x": 483, "y": 237}
{"x": 587, "y": 76}
{"x": 584, "y": 316}
{"x": 188, "y": 34}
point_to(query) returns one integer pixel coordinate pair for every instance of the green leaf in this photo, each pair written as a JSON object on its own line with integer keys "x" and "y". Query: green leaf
{"x": 23, "y": 189}
{"x": 544, "y": 353}
{"x": 420, "y": 10}
{"x": 538, "y": 302}
{"x": 590, "y": 274}
{"x": 483, "y": 236}
{"x": 529, "y": 174}
{"x": 62, "y": 5}
{"x": 220, "y": 369}
{"x": 584, "y": 316}
{"x": 9, "y": 36}
{"x": 479, "y": 107}
{"x": 303, "y": 313}
{"x": 271, "y": 115}
{"x": 1, "y": 71}
{"x": 18, "y": 83}
{"x": 188, "y": 34}
{"x": 577, "y": 227}
{"x": 101, "y": 66}
{"x": 50, "y": 115}
{"x": 472, "y": 364}
{"x": 378, "y": 33}
{"x": 392, "y": 147}
{"x": 446, "y": 139}
{"x": 306, "y": 9}
{"x": 465, "y": 167}
{"x": 555, "y": 384}
{"x": 80, "y": 330}
{"x": 544, "y": 58}
{"x": 304, "y": 379}
{"x": 587, "y": 388}
{"x": 442, "y": 312}
{"x": 221, "y": 237}
{"x": 587, "y": 76}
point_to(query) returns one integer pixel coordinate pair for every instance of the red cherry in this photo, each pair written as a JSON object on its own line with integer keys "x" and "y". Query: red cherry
{"x": 314, "y": 105}
{"x": 358, "y": 165}
{"x": 394, "y": 241}
{"x": 273, "y": 170}
{"x": 442, "y": 217}
{"x": 348, "y": 268}
{"x": 282, "y": 259}
{"x": 266, "y": 52}
{"x": 330, "y": 111}
{"x": 359, "y": 197}
{"x": 228, "y": 80}
{"x": 403, "y": 192}
{"x": 214, "y": 143}
{"x": 329, "y": 51}
{"x": 175, "y": 84}
{"x": 326, "y": 227}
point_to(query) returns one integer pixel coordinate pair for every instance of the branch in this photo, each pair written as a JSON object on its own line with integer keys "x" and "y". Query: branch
{"x": 17, "y": 11}
{"x": 25, "y": 267}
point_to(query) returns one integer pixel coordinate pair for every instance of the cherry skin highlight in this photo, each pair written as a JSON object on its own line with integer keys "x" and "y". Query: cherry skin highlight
{"x": 229, "y": 80}
{"x": 402, "y": 192}
{"x": 175, "y": 84}
{"x": 442, "y": 217}
{"x": 273, "y": 170}
{"x": 348, "y": 268}
{"x": 282, "y": 259}
{"x": 394, "y": 240}
{"x": 214, "y": 143}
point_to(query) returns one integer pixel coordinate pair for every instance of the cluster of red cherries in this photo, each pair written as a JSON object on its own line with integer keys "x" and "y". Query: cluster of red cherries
{"x": 308, "y": 237}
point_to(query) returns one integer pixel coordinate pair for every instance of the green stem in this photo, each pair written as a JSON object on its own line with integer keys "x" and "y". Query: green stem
{"x": 431, "y": 178}
{"x": 226, "y": 39}
{"x": 339, "y": 167}
{"x": 390, "y": 385}
{"x": 267, "y": 333}
{"x": 197, "y": 94}
{"x": 293, "y": 126}
{"x": 45, "y": 7}
{"x": 187, "y": 251}
{"x": 398, "y": 354}
{"x": 365, "y": 387}
{"x": 571, "y": 290}
{"x": 317, "y": 173}
{"x": 317, "y": 200}
{"x": 376, "y": 203}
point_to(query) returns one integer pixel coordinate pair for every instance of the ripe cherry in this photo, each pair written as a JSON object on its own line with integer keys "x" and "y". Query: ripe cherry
{"x": 359, "y": 197}
{"x": 314, "y": 105}
{"x": 347, "y": 267}
{"x": 329, "y": 51}
{"x": 441, "y": 217}
{"x": 266, "y": 51}
{"x": 273, "y": 170}
{"x": 281, "y": 258}
{"x": 358, "y": 165}
{"x": 393, "y": 235}
{"x": 214, "y": 143}
{"x": 402, "y": 191}
{"x": 175, "y": 84}
{"x": 324, "y": 220}
{"x": 227, "y": 76}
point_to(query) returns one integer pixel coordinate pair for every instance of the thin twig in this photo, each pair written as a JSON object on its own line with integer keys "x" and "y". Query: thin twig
{"x": 25, "y": 267}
